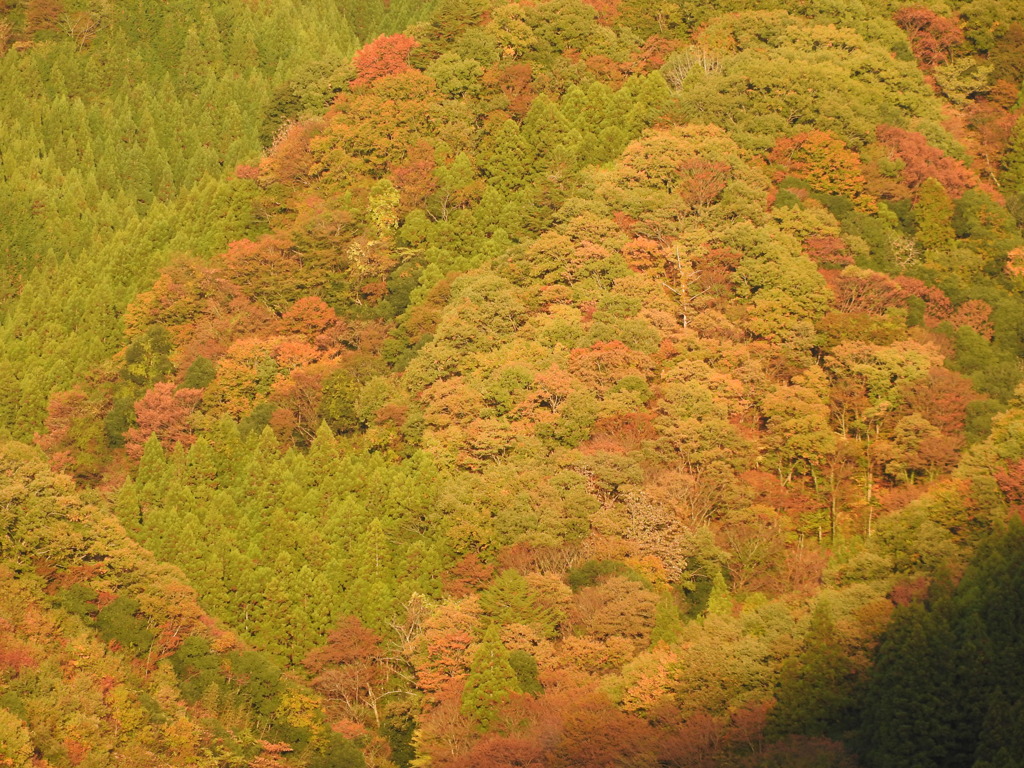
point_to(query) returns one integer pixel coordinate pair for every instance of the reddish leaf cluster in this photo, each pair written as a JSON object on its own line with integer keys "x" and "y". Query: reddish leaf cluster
{"x": 933, "y": 38}
{"x": 828, "y": 249}
{"x": 922, "y": 161}
{"x": 163, "y": 411}
{"x": 621, "y": 433}
{"x": 975, "y": 314}
{"x": 515, "y": 81}
{"x": 1011, "y": 483}
{"x": 387, "y": 55}
{"x": 938, "y": 307}
{"x": 862, "y": 290}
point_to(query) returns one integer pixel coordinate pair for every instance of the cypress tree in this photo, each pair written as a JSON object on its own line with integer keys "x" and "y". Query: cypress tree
{"x": 490, "y": 681}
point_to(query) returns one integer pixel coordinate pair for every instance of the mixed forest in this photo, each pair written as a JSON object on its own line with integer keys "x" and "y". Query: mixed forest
{"x": 486, "y": 384}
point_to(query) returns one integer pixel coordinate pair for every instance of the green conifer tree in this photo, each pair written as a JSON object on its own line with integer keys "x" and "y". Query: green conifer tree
{"x": 490, "y": 681}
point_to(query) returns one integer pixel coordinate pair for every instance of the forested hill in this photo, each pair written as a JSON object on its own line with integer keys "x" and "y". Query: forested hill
{"x": 123, "y": 122}
{"x": 512, "y": 384}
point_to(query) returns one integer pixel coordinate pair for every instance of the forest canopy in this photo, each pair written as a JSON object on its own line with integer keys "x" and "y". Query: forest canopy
{"x": 487, "y": 384}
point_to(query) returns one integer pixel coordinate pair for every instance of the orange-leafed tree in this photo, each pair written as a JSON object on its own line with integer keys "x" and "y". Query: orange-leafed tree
{"x": 288, "y": 161}
{"x": 440, "y": 654}
{"x": 387, "y": 55}
{"x": 596, "y": 734}
{"x": 309, "y": 316}
{"x": 825, "y": 162}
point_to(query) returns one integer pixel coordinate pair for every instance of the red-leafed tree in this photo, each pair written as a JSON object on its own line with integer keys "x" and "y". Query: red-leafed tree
{"x": 621, "y": 433}
{"x": 466, "y": 576}
{"x": 16, "y": 656}
{"x": 975, "y": 314}
{"x": 348, "y": 643}
{"x": 352, "y": 667}
{"x": 1011, "y": 483}
{"x": 607, "y": 10}
{"x": 414, "y": 178}
{"x": 162, "y": 411}
{"x": 516, "y": 83}
{"x": 596, "y": 734}
{"x": 942, "y": 397}
{"x": 387, "y": 55}
{"x": 440, "y": 654}
{"x": 938, "y": 307}
{"x": 828, "y": 249}
{"x": 701, "y": 181}
{"x": 503, "y": 752}
{"x": 922, "y": 161}
{"x": 933, "y": 38}
{"x": 653, "y": 54}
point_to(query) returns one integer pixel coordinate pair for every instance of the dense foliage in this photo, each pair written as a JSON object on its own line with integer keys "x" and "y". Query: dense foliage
{"x": 553, "y": 383}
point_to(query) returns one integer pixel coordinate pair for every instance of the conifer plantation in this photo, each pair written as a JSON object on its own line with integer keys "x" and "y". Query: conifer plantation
{"x": 487, "y": 384}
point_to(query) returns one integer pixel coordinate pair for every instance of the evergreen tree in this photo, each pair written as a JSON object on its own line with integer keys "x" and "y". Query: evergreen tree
{"x": 490, "y": 681}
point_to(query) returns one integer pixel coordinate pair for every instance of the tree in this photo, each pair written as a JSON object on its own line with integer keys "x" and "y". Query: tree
{"x": 80, "y": 27}
{"x": 863, "y": 290}
{"x": 826, "y": 163}
{"x": 511, "y": 599}
{"x": 353, "y": 668}
{"x": 617, "y": 606}
{"x": 163, "y": 411}
{"x": 921, "y": 161}
{"x": 74, "y": 434}
{"x": 387, "y": 55}
{"x": 798, "y": 430}
{"x": 596, "y": 734}
{"x": 269, "y": 269}
{"x": 934, "y": 214}
{"x": 934, "y": 38}
{"x": 490, "y": 682}
{"x": 440, "y": 654}
{"x": 815, "y": 693}
{"x": 42, "y": 15}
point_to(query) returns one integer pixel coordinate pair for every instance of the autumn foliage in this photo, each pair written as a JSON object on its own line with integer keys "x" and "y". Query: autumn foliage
{"x": 571, "y": 383}
{"x": 934, "y": 38}
{"x": 387, "y": 55}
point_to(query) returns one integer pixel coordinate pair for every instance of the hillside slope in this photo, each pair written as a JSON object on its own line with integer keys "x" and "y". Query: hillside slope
{"x": 589, "y": 385}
